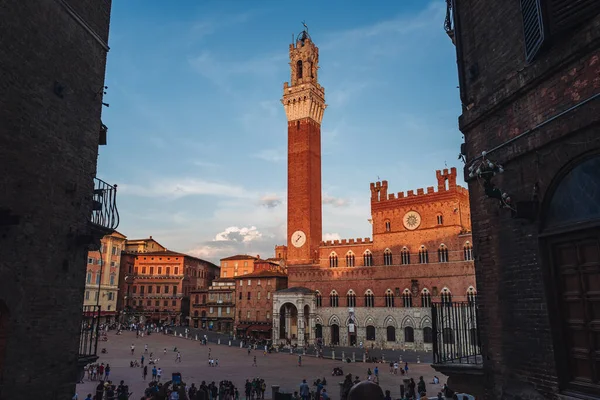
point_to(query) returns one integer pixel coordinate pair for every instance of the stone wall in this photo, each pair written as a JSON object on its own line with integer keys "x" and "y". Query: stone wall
{"x": 52, "y": 66}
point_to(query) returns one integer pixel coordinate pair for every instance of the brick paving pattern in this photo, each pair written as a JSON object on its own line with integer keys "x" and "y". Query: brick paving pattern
{"x": 235, "y": 365}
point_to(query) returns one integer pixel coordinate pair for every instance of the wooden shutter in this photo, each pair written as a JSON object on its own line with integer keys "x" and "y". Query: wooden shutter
{"x": 533, "y": 27}
{"x": 567, "y": 14}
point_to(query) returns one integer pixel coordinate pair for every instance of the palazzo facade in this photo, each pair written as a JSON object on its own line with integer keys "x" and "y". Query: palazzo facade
{"x": 373, "y": 290}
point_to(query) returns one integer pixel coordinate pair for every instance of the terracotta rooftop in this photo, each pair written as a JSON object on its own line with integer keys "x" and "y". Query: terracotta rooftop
{"x": 239, "y": 257}
{"x": 174, "y": 254}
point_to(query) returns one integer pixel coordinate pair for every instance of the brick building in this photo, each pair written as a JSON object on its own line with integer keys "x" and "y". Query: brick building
{"x": 529, "y": 75}
{"x": 240, "y": 264}
{"x": 375, "y": 291}
{"x": 254, "y": 296}
{"x": 52, "y": 63}
{"x": 102, "y": 279}
{"x": 159, "y": 288}
{"x": 214, "y": 307}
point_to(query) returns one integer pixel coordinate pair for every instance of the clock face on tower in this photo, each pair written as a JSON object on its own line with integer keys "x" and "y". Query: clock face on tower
{"x": 298, "y": 239}
{"x": 411, "y": 220}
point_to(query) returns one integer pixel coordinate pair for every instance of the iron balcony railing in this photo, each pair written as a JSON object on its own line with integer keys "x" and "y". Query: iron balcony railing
{"x": 104, "y": 205}
{"x": 455, "y": 333}
{"x": 88, "y": 339}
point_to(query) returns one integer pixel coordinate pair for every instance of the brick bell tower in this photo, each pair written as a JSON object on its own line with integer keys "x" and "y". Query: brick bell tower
{"x": 304, "y": 103}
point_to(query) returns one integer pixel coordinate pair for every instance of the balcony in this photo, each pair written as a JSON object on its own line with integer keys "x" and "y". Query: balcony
{"x": 456, "y": 345}
{"x": 105, "y": 217}
{"x": 88, "y": 336}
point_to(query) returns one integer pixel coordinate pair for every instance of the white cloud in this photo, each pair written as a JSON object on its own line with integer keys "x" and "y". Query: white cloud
{"x": 331, "y": 236}
{"x": 237, "y": 234}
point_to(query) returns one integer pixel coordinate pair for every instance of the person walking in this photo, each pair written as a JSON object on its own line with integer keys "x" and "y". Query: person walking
{"x": 145, "y": 372}
{"x": 304, "y": 390}
{"x": 254, "y": 363}
{"x": 421, "y": 388}
{"x": 154, "y": 372}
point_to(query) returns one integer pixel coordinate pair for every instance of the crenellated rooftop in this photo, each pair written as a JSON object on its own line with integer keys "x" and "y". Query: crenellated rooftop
{"x": 346, "y": 242}
{"x": 446, "y": 184}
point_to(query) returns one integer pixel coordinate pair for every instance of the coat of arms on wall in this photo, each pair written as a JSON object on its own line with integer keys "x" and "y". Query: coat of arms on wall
{"x": 415, "y": 287}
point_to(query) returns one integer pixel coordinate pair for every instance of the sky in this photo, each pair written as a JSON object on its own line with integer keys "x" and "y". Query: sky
{"x": 197, "y": 134}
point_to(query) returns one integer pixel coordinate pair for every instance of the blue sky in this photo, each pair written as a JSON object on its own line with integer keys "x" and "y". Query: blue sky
{"x": 197, "y": 134}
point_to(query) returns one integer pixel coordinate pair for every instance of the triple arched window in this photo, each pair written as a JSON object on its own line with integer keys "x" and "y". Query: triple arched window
{"x": 405, "y": 256}
{"x": 389, "y": 298}
{"x": 350, "y": 259}
{"x": 368, "y": 258}
{"x": 423, "y": 255}
{"x": 387, "y": 257}
{"x": 471, "y": 295}
{"x": 333, "y": 299}
{"x": 406, "y": 298}
{"x": 446, "y": 297}
{"x": 333, "y": 260}
{"x": 319, "y": 299}
{"x": 443, "y": 253}
{"x": 468, "y": 251}
{"x": 369, "y": 298}
{"x": 425, "y": 298}
{"x": 351, "y": 298}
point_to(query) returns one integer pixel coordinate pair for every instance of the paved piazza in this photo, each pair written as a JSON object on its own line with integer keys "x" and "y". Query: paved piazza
{"x": 235, "y": 365}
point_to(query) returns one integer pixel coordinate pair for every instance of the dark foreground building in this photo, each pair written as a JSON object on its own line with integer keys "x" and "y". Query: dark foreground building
{"x": 52, "y": 208}
{"x": 529, "y": 75}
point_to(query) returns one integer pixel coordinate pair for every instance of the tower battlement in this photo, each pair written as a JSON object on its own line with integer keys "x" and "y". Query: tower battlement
{"x": 446, "y": 180}
{"x": 341, "y": 242}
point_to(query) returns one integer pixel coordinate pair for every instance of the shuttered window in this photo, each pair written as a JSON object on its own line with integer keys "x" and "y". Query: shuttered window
{"x": 546, "y": 19}
{"x": 533, "y": 27}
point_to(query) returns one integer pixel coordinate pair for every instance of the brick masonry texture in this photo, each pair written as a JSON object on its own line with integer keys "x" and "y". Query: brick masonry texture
{"x": 48, "y": 161}
{"x": 507, "y": 97}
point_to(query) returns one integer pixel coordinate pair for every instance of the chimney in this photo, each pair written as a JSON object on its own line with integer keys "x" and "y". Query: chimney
{"x": 150, "y": 236}
{"x": 258, "y": 256}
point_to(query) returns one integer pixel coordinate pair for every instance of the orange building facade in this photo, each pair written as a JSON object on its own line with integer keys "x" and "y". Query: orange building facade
{"x": 159, "y": 287}
{"x": 375, "y": 291}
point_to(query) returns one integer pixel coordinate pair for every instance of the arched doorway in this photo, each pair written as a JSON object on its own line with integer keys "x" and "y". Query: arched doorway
{"x": 391, "y": 334}
{"x": 4, "y": 315}
{"x": 335, "y": 334}
{"x": 571, "y": 242}
{"x": 288, "y": 322}
{"x": 319, "y": 331}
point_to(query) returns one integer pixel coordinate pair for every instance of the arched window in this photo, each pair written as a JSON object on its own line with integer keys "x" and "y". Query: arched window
{"x": 351, "y": 298}
{"x": 406, "y": 298}
{"x": 389, "y": 298}
{"x": 423, "y": 255}
{"x": 368, "y": 258}
{"x": 443, "y": 253}
{"x": 319, "y": 299}
{"x": 370, "y": 332}
{"x": 203, "y": 299}
{"x": 333, "y": 260}
{"x": 350, "y": 259}
{"x": 427, "y": 335}
{"x": 388, "y": 226}
{"x": 89, "y": 277}
{"x": 196, "y": 299}
{"x": 405, "y": 255}
{"x": 196, "y": 313}
{"x": 446, "y": 297}
{"x": 440, "y": 219}
{"x": 391, "y": 334}
{"x": 425, "y": 298}
{"x": 468, "y": 251}
{"x": 333, "y": 299}
{"x": 369, "y": 298}
{"x": 299, "y": 69}
{"x": 387, "y": 257}
{"x": 409, "y": 334}
{"x": 471, "y": 295}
